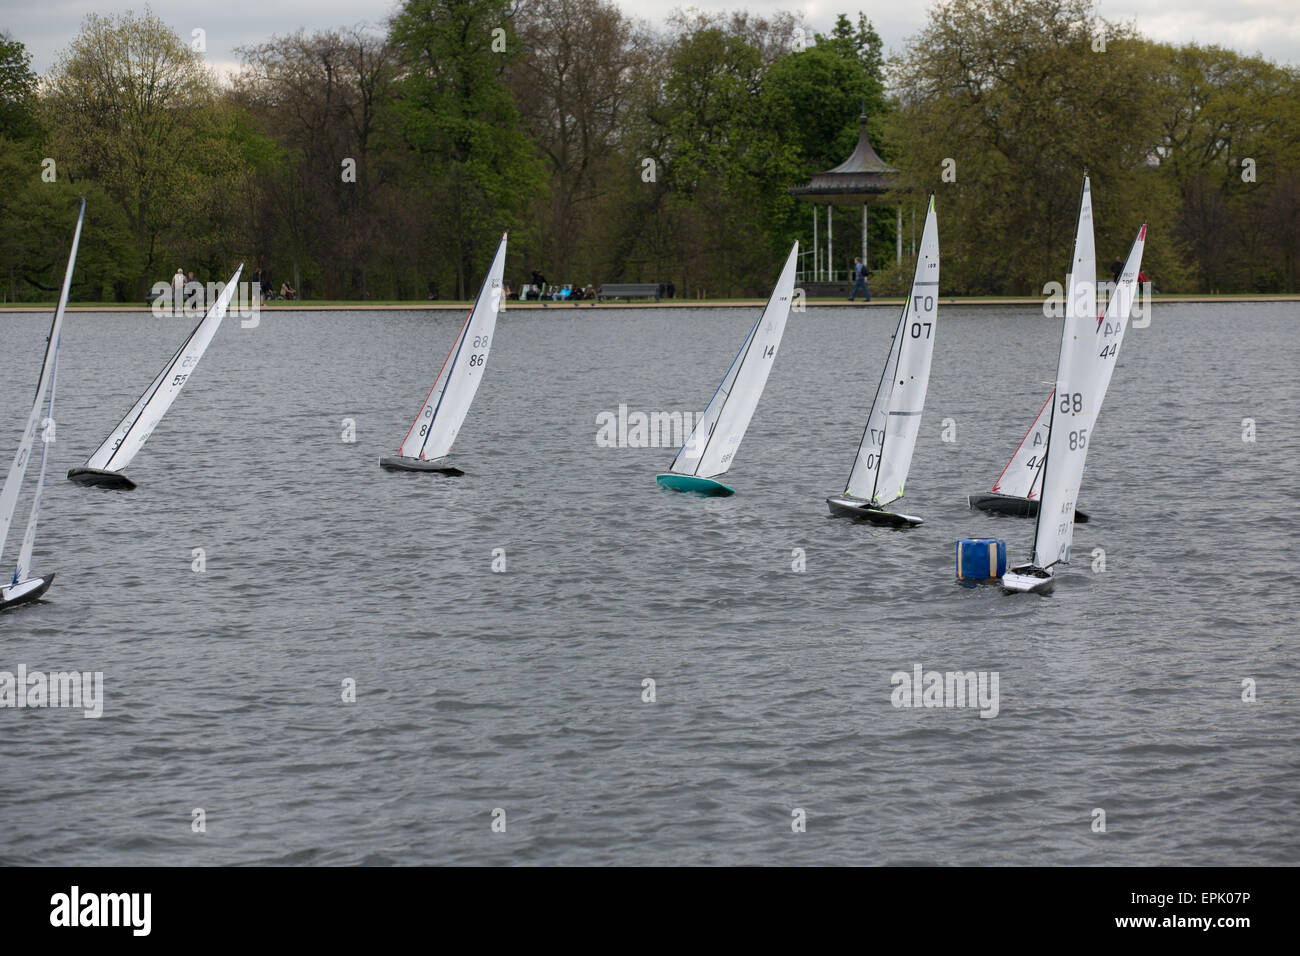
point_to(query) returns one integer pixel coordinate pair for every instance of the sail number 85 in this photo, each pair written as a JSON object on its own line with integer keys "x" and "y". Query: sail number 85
{"x": 1072, "y": 402}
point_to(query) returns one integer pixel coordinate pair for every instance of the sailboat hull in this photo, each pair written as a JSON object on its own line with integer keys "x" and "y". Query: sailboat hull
{"x": 441, "y": 466}
{"x": 693, "y": 485}
{"x": 1028, "y": 579}
{"x": 24, "y": 592}
{"x": 864, "y": 511}
{"x": 98, "y": 478}
{"x": 1013, "y": 505}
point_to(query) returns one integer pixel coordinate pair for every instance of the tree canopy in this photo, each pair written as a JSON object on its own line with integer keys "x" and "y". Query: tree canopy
{"x": 384, "y": 161}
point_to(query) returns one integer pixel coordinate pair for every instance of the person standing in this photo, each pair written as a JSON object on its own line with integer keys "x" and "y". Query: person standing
{"x": 860, "y": 280}
{"x": 178, "y": 291}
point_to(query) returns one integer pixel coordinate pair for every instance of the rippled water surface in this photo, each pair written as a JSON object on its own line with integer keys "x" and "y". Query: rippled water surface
{"x": 523, "y": 690}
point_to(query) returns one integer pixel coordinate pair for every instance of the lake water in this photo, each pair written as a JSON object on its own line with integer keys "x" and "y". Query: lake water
{"x": 522, "y": 690}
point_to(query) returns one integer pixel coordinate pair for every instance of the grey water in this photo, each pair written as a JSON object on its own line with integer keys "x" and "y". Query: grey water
{"x": 523, "y": 690}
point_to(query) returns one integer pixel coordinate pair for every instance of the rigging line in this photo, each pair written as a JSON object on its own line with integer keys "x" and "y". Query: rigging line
{"x": 884, "y": 429}
{"x": 883, "y": 372}
{"x": 735, "y": 358}
{"x": 455, "y": 349}
{"x": 464, "y": 334}
{"x": 1032, "y": 425}
{"x": 749, "y": 343}
{"x": 452, "y": 371}
{"x": 151, "y": 391}
{"x": 739, "y": 364}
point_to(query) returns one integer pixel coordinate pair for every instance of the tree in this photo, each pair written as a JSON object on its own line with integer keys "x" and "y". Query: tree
{"x": 17, "y": 91}
{"x": 478, "y": 170}
{"x": 132, "y": 107}
{"x": 323, "y": 97}
{"x": 1228, "y": 147}
{"x": 575, "y": 84}
{"x": 1019, "y": 98}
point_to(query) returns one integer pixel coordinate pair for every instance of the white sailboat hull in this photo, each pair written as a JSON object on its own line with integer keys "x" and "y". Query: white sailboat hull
{"x": 24, "y": 592}
{"x": 1028, "y": 579}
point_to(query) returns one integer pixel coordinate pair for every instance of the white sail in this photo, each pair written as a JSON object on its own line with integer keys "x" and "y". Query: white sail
{"x": 1114, "y": 322}
{"x": 435, "y": 428}
{"x": 713, "y": 443}
{"x": 1083, "y": 373}
{"x": 134, "y": 430}
{"x": 1022, "y": 475}
{"x": 885, "y": 453}
{"x": 24, "y": 566}
{"x": 18, "y": 469}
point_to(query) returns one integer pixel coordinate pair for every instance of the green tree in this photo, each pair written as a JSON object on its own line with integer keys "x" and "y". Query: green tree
{"x": 133, "y": 107}
{"x": 17, "y": 91}
{"x": 1017, "y": 99}
{"x": 478, "y": 170}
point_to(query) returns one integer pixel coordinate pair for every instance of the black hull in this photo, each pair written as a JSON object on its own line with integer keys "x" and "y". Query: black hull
{"x": 1016, "y": 507}
{"x": 95, "y": 478}
{"x": 865, "y": 512}
{"x": 30, "y": 596}
{"x": 438, "y": 465}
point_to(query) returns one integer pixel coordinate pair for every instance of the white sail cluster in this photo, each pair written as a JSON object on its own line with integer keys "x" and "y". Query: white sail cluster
{"x": 1089, "y": 348}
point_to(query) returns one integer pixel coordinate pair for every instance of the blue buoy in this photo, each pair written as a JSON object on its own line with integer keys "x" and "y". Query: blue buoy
{"x": 981, "y": 558}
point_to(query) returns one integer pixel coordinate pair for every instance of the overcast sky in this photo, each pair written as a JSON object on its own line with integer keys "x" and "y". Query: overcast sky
{"x": 1270, "y": 27}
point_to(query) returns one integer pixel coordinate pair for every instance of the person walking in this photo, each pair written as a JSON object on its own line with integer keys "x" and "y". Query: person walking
{"x": 860, "y": 280}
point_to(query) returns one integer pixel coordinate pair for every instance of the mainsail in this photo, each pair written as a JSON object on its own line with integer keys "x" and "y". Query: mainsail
{"x": 711, "y": 447}
{"x": 134, "y": 430}
{"x": 884, "y": 455}
{"x": 435, "y": 427}
{"x": 36, "y": 420}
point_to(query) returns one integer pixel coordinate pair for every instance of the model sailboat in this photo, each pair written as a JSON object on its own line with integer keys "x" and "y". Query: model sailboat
{"x": 884, "y": 455}
{"x": 428, "y": 441}
{"x": 24, "y": 588}
{"x": 1089, "y": 346}
{"x": 1016, "y": 490}
{"x": 104, "y": 467}
{"x": 711, "y": 448}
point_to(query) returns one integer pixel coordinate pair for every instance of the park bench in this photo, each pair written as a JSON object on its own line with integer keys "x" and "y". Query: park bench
{"x": 630, "y": 290}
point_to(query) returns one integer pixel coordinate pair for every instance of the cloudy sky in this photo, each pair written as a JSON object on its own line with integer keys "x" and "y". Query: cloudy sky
{"x": 1270, "y": 27}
